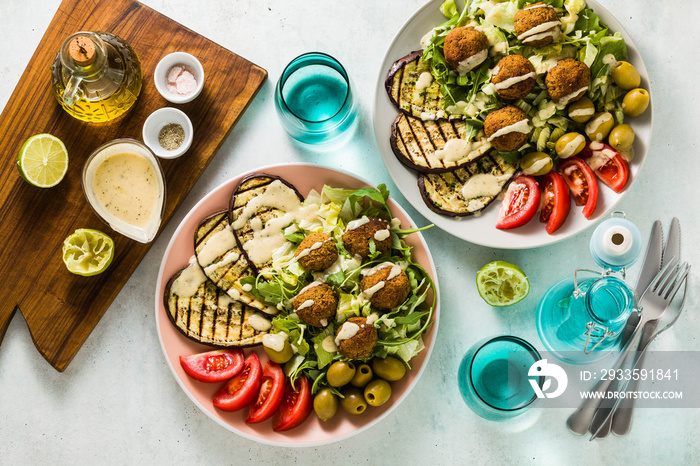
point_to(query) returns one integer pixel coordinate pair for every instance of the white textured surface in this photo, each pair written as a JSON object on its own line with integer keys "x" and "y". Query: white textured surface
{"x": 117, "y": 402}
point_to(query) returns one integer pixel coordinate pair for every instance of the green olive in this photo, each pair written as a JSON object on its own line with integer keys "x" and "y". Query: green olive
{"x": 325, "y": 404}
{"x": 353, "y": 402}
{"x": 389, "y": 368}
{"x": 628, "y": 154}
{"x": 377, "y": 392}
{"x": 621, "y": 137}
{"x": 363, "y": 375}
{"x": 599, "y": 127}
{"x": 340, "y": 373}
{"x": 635, "y": 102}
{"x": 280, "y": 357}
{"x": 536, "y": 163}
{"x": 582, "y": 110}
{"x": 625, "y": 75}
{"x": 569, "y": 145}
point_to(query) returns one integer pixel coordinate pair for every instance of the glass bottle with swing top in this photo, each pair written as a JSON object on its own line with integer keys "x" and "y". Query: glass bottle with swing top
{"x": 580, "y": 319}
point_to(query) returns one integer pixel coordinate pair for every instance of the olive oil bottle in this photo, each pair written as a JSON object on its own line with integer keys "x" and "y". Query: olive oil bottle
{"x": 96, "y": 76}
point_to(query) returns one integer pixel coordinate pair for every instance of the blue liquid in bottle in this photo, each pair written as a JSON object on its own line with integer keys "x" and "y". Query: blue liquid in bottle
{"x": 563, "y": 318}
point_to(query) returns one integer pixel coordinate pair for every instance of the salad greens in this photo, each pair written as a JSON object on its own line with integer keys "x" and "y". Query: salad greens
{"x": 399, "y": 330}
{"x": 472, "y": 96}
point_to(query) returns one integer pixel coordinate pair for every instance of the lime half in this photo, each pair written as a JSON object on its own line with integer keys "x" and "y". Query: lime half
{"x": 502, "y": 284}
{"x": 88, "y": 252}
{"x": 43, "y": 160}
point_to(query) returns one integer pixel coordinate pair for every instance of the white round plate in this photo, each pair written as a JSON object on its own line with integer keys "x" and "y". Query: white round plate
{"x": 481, "y": 229}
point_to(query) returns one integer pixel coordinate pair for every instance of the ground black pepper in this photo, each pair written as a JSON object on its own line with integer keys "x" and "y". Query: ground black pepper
{"x": 171, "y": 136}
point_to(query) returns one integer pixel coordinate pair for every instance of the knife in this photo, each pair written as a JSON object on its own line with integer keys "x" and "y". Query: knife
{"x": 622, "y": 418}
{"x": 650, "y": 267}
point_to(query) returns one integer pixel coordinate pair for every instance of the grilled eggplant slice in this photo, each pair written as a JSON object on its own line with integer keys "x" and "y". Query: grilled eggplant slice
{"x": 425, "y": 145}
{"x": 204, "y": 313}
{"x": 220, "y": 257}
{"x": 400, "y": 84}
{"x": 261, "y": 207}
{"x": 442, "y": 192}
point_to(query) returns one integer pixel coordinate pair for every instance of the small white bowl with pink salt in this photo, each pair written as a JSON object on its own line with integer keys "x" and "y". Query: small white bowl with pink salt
{"x": 179, "y": 77}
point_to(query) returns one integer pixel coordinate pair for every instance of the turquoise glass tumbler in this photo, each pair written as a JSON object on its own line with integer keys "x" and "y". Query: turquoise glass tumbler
{"x": 314, "y": 99}
{"x": 493, "y": 377}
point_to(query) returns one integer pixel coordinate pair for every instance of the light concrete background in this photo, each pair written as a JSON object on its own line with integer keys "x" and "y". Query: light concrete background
{"x": 117, "y": 402}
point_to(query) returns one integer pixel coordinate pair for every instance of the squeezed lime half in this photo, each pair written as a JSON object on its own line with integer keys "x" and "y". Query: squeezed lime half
{"x": 501, "y": 283}
{"x": 88, "y": 252}
{"x": 43, "y": 160}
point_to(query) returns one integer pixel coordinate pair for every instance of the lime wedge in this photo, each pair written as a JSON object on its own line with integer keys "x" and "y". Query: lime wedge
{"x": 88, "y": 252}
{"x": 502, "y": 284}
{"x": 43, "y": 160}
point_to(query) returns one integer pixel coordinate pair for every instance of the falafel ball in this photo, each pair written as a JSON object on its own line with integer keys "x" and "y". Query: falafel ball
{"x": 356, "y": 338}
{"x": 567, "y": 81}
{"x": 316, "y": 252}
{"x": 387, "y": 286}
{"x": 507, "y": 128}
{"x": 537, "y": 25}
{"x": 465, "y": 48}
{"x": 316, "y": 304}
{"x": 514, "y": 77}
{"x": 360, "y": 233}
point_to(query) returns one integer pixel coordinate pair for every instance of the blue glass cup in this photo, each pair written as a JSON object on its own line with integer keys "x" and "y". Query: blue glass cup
{"x": 314, "y": 99}
{"x": 493, "y": 377}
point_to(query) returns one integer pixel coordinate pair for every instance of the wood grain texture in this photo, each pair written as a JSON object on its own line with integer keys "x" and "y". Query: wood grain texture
{"x": 61, "y": 309}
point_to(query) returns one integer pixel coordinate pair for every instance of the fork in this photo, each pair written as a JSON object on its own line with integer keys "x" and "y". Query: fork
{"x": 655, "y": 300}
{"x": 660, "y": 296}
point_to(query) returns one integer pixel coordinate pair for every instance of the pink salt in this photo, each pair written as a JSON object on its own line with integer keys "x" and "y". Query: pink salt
{"x": 180, "y": 80}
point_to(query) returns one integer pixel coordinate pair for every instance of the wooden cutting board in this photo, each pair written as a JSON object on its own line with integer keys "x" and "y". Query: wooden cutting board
{"x": 60, "y": 308}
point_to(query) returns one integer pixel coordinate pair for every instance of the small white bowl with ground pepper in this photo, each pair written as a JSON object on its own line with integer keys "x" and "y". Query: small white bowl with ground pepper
{"x": 168, "y": 132}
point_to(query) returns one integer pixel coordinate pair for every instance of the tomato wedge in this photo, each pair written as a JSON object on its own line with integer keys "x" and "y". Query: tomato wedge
{"x": 520, "y": 203}
{"x": 270, "y": 394}
{"x": 213, "y": 366}
{"x": 609, "y": 165}
{"x": 242, "y": 388}
{"x": 556, "y": 201}
{"x": 295, "y": 407}
{"x": 582, "y": 183}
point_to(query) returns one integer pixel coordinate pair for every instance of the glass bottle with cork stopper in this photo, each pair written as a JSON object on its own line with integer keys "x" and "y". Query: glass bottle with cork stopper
{"x": 96, "y": 76}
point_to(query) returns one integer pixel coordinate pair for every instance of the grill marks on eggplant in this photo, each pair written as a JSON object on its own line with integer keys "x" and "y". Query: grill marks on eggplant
{"x": 400, "y": 84}
{"x": 415, "y": 143}
{"x": 423, "y": 128}
{"x": 211, "y": 317}
{"x": 205, "y": 300}
{"x": 442, "y": 192}
{"x": 249, "y": 189}
{"x": 230, "y": 265}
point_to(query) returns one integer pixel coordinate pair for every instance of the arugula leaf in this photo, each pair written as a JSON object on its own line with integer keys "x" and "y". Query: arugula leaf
{"x": 336, "y": 279}
{"x": 296, "y": 237}
{"x": 511, "y": 157}
{"x": 411, "y": 318}
{"x": 588, "y": 22}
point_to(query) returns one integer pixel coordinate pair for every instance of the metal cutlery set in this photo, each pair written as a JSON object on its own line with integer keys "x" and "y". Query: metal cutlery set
{"x": 662, "y": 276}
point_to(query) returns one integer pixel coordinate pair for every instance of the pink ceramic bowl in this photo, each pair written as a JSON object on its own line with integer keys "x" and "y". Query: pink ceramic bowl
{"x": 312, "y": 432}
